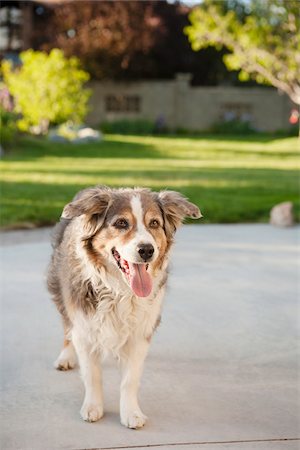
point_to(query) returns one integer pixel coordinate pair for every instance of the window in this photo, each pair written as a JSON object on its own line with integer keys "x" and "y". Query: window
{"x": 233, "y": 111}
{"x": 10, "y": 34}
{"x": 122, "y": 103}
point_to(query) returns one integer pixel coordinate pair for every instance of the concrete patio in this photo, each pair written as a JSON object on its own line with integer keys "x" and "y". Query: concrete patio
{"x": 223, "y": 368}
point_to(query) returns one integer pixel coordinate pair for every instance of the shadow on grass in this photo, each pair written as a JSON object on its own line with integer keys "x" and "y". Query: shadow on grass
{"x": 224, "y": 195}
{"x": 30, "y": 148}
{"x": 267, "y": 153}
{"x": 170, "y": 174}
{"x": 259, "y": 137}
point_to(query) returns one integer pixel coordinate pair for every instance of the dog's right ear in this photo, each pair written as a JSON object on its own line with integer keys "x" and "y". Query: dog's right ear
{"x": 93, "y": 203}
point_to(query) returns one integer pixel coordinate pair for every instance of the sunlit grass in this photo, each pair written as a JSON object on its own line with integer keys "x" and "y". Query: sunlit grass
{"x": 231, "y": 179}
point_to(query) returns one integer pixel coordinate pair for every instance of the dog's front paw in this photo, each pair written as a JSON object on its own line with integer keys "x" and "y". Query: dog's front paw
{"x": 91, "y": 412}
{"x": 133, "y": 419}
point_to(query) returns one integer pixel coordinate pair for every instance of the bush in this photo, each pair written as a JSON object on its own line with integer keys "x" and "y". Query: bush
{"x": 233, "y": 126}
{"x": 47, "y": 89}
{"x": 292, "y": 130}
{"x": 8, "y": 126}
{"x": 8, "y": 119}
{"x": 127, "y": 126}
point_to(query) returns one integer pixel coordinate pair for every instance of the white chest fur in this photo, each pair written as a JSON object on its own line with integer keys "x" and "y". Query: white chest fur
{"x": 118, "y": 320}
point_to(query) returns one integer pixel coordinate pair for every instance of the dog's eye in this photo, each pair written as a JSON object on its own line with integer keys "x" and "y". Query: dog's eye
{"x": 154, "y": 223}
{"x": 121, "y": 224}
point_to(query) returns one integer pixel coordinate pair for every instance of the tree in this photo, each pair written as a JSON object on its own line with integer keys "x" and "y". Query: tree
{"x": 47, "y": 89}
{"x": 127, "y": 40}
{"x": 106, "y": 35}
{"x": 264, "y": 45}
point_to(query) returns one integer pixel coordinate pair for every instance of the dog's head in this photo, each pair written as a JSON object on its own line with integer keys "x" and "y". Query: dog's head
{"x": 130, "y": 230}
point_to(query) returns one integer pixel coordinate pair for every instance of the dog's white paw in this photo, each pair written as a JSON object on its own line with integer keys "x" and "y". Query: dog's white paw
{"x": 91, "y": 412}
{"x": 133, "y": 419}
{"x": 66, "y": 359}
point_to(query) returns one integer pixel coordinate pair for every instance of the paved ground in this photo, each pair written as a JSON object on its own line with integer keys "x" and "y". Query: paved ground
{"x": 222, "y": 371}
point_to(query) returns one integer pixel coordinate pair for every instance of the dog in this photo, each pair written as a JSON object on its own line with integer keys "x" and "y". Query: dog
{"x": 107, "y": 277}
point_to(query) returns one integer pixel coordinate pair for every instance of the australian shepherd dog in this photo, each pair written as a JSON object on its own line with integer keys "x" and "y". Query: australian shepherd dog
{"x": 107, "y": 277}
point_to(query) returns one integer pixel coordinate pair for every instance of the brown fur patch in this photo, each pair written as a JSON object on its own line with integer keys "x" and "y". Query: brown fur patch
{"x": 156, "y": 325}
{"x": 66, "y": 342}
{"x": 93, "y": 253}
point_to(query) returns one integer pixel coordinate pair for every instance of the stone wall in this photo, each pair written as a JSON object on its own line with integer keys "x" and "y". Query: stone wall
{"x": 181, "y": 105}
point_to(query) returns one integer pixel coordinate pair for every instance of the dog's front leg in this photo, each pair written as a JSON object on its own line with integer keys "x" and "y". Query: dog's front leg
{"x": 132, "y": 368}
{"x": 92, "y": 407}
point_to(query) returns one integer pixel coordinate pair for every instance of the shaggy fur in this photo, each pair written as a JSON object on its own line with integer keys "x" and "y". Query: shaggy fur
{"x": 107, "y": 278}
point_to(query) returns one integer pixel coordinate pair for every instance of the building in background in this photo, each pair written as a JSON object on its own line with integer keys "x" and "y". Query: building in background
{"x": 179, "y": 105}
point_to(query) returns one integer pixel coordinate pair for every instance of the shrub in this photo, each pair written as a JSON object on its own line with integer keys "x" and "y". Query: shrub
{"x": 292, "y": 130}
{"x": 128, "y": 126}
{"x": 8, "y": 125}
{"x": 233, "y": 126}
{"x": 47, "y": 89}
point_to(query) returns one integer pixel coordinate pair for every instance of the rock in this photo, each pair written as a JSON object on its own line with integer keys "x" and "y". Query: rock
{"x": 76, "y": 134}
{"x": 87, "y": 135}
{"x": 282, "y": 215}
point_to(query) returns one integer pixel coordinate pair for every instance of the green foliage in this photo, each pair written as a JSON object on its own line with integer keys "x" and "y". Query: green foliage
{"x": 291, "y": 131}
{"x": 231, "y": 127}
{"x": 264, "y": 45}
{"x": 47, "y": 89}
{"x": 67, "y": 131}
{"x": 8, "y": 126}
{"x": 128, "y": 126}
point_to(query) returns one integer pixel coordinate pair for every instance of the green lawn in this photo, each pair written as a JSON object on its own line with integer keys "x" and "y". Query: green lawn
{"x": 232, "y": 179}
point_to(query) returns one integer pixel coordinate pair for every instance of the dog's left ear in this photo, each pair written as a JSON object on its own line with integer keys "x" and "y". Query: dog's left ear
{"x": 175, "y": 208}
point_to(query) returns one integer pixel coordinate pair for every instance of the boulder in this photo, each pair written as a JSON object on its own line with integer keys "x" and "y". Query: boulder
{"x": 282, "y": 215}
{"x": 76, "y": 134}
{"x": 87, "y": 135}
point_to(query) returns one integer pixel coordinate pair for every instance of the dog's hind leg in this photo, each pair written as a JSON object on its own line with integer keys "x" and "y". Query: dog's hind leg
{"x": 67, "y": 358}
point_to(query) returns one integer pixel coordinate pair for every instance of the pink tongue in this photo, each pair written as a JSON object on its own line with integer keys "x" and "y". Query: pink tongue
{"x": 140, "y": 280}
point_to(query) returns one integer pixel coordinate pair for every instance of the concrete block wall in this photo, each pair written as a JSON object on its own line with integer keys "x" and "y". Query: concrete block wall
{"x": 192, "y": 108}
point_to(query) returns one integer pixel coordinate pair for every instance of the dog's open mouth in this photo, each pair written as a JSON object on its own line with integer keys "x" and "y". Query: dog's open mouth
{"x": 136, "y": 274}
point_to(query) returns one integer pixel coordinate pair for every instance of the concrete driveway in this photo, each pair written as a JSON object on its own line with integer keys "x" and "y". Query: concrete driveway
{"x": 223, "y": 368}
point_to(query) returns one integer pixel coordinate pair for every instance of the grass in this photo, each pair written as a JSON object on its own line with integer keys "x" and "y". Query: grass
{"x": 232, "y": 179}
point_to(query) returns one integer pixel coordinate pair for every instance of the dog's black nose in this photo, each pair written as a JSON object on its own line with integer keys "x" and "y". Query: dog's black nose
{"x": 146, "y": 251}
